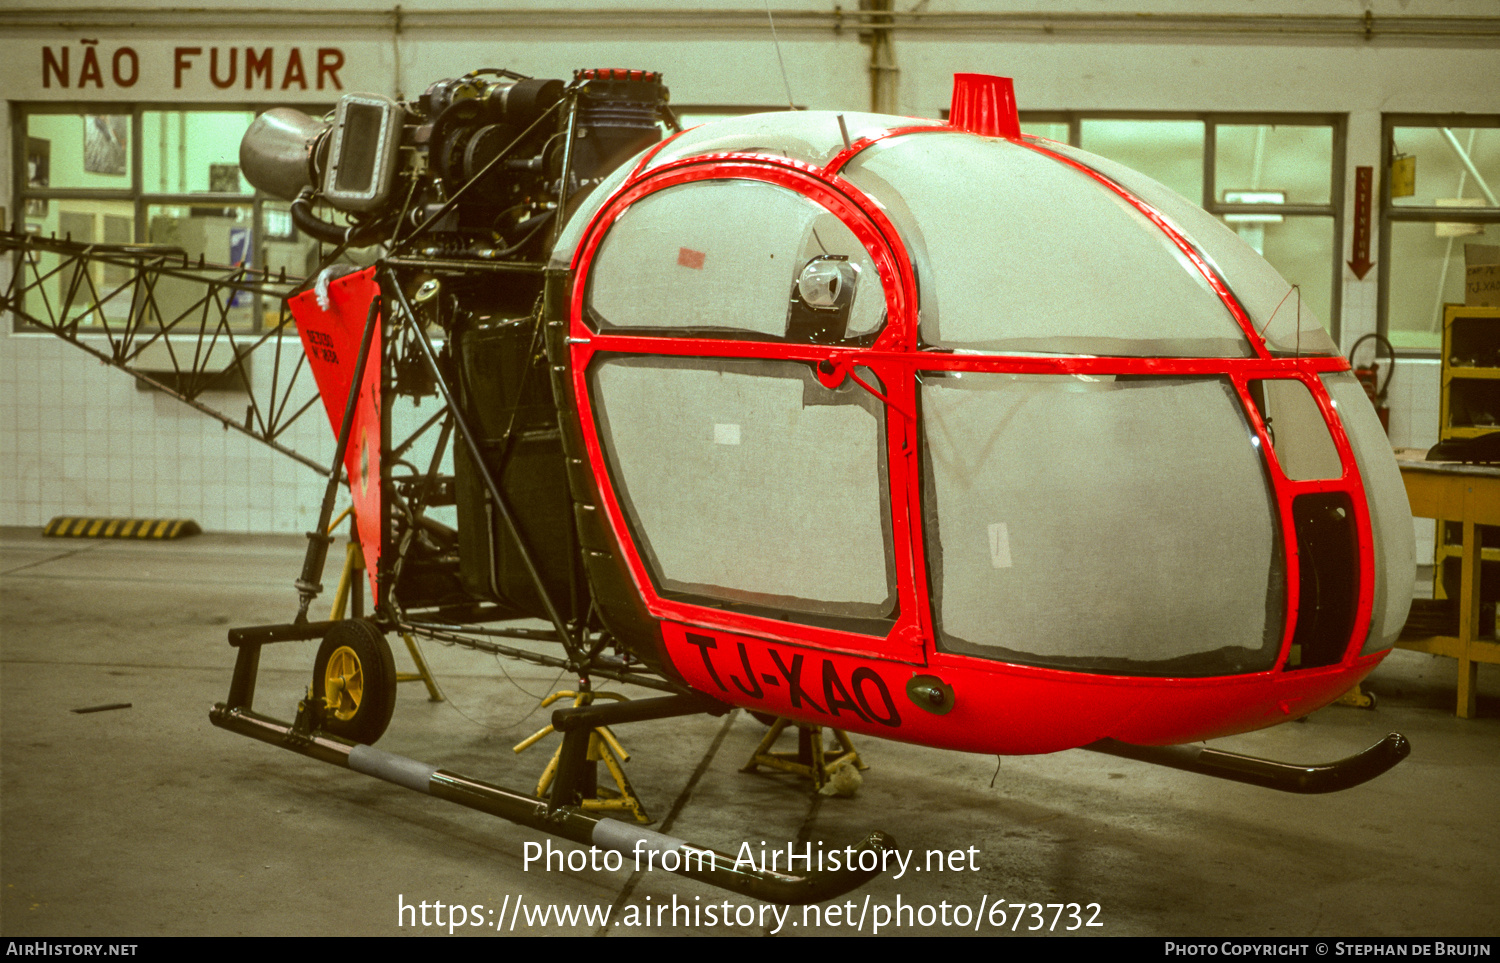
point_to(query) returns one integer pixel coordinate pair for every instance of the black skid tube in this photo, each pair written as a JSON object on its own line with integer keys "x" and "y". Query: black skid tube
{"x": 1284, "y": 776}
{"x": 567, "y": 822}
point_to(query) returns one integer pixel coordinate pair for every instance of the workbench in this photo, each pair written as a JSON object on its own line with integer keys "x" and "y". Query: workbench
{"x": 1468, "y": 495}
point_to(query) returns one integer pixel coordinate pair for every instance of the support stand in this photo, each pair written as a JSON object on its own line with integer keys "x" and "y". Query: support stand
{"x": 602, "y": 747}
{"x": 810, "y": 761}
{"x": 1357, "y": 697}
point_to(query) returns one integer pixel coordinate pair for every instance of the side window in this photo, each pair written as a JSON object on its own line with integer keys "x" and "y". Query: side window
{"x": 739, "y": 259}
{"x": 1304, "y": 449}
{"x": 749, "y": 485}
{"x": 1386, "y": 497}
{"x": 1145, "y": 490}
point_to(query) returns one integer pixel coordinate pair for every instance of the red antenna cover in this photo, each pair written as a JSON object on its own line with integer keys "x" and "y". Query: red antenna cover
{"x": 984, "y": 104}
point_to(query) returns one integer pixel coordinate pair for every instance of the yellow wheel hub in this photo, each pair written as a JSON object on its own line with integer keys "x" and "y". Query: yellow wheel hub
{"x": 343, "y": 683}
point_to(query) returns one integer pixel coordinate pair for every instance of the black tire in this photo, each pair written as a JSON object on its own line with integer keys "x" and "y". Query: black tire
{"x": 356, "y": 675}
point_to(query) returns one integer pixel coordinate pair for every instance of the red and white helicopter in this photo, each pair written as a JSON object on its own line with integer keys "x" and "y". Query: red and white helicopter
{"x": 933, "y": 431}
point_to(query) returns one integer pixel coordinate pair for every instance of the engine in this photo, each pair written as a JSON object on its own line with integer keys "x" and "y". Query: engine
{"x": 462, "y": 191}
{"x": 478, "y": 166}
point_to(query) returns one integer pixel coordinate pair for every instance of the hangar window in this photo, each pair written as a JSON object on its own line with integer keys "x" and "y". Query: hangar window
{"x": 123, "y": 174}
{"x": 1440, "y": 201}
{"x": 735, "y": 258}
{"x": 1275, "y": 180}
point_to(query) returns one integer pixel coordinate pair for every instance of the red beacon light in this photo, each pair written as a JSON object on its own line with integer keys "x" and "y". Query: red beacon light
{"x": 984, "y": 105}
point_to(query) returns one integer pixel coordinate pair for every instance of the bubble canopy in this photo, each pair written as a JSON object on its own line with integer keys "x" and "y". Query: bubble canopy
{"x": 895, "y": 388}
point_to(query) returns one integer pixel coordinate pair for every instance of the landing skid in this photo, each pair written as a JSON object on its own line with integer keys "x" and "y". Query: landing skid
{"x": 1283, "y": 776}
{"x": 569, "y": 821}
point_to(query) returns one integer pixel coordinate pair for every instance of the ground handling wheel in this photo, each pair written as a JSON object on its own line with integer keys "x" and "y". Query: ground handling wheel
{"x": 356, "y": 675}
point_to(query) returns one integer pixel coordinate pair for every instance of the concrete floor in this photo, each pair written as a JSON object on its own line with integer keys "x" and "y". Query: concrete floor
{"x": 150, "y": 821}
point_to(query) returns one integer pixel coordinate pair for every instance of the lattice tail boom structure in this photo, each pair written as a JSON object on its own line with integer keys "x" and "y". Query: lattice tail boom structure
{"x": 183, "y": 327}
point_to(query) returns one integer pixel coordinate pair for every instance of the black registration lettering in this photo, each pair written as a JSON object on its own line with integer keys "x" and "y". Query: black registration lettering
{"x": 793, "y": 678}
{"x": 704, "y": 643}
{"x": 755, "y": 693}
{"x": 836, "y": 695}
{"x": 857, "y": 681}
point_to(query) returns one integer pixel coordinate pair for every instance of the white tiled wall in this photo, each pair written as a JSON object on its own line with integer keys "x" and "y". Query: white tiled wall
{"x": 1413, "y": 399}
{"x": 79, "y": 438}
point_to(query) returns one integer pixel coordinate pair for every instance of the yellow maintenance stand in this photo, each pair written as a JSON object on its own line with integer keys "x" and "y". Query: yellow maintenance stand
{"x": 603, "y": 747}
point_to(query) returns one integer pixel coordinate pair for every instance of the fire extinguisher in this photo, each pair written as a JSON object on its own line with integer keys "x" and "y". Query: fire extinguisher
{"x": 1369, "y": 375}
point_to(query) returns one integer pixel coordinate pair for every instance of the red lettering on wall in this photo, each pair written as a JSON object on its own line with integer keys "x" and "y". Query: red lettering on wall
{"x": 257, "y": 65}
{"x": 51, "y": 67}
{"x": 330, "y": 59}
{"x": 213, "y": 67}
{"x": 135, "y": 67}
{"x": 90, "y": 71}
{"x": 223, "y": 68}
{"x": 295, "y": 74}
{"x": 184, "y": 63}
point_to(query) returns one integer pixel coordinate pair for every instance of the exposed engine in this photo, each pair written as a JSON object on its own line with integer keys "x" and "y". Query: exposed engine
{"x": 478, "y": 166}
{"x": 464, "y": 188}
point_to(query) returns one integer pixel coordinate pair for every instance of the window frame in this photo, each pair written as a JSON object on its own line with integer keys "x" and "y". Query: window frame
{"x": 141, "y": 200}
{"x": 716, "y": 112}
{"x": 1391, "y": 214}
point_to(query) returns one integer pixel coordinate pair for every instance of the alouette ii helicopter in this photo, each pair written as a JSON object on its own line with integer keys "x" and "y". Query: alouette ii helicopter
{"x": 933, "y": 431}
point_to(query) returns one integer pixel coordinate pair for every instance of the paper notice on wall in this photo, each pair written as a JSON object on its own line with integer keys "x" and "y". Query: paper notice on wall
{"x": 999, "y": 545}
{"x": 1482, "y": 275}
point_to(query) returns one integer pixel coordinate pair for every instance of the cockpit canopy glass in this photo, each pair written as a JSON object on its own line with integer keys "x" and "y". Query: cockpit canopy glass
{"x": 1018, "y": 253}
{"x": 1105, "y": 523}
{"x": 1288, "y": 326}
{"x": 735, "y": 258}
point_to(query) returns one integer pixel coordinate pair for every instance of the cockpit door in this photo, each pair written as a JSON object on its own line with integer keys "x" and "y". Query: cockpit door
{"x": 731, "y": 322}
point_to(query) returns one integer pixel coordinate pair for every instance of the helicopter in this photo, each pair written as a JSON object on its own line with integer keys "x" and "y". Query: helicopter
{"x": 928, "y": 430}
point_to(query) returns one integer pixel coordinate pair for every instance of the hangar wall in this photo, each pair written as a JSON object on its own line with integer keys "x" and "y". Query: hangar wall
{"x": 76, "y": 438}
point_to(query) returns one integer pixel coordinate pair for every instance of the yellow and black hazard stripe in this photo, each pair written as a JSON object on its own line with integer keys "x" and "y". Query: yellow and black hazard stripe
{"x": 73, "y": 526}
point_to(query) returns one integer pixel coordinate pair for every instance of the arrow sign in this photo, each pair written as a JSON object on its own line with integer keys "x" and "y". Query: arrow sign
{"x": 1363, "y": 179}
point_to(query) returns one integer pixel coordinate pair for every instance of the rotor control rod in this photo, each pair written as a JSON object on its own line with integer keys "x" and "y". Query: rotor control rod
{"x": 1284, "y": 776}
{"x": 668, "y": 852}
